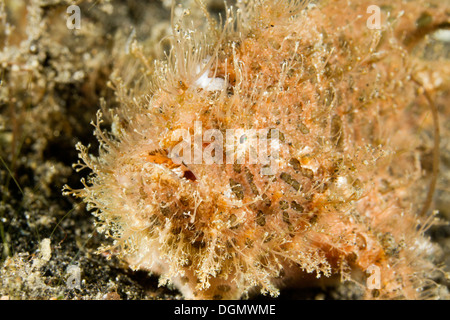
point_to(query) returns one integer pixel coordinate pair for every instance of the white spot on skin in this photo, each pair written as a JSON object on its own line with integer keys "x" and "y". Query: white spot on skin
{"x": 421, "y": 245}
{"x": 341, "y": 181}
{"x": 178, "y": 171}
{"x": 442, "y": 35}
{"x": 210, "y": 84}
{"x": 305, "y": 150}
